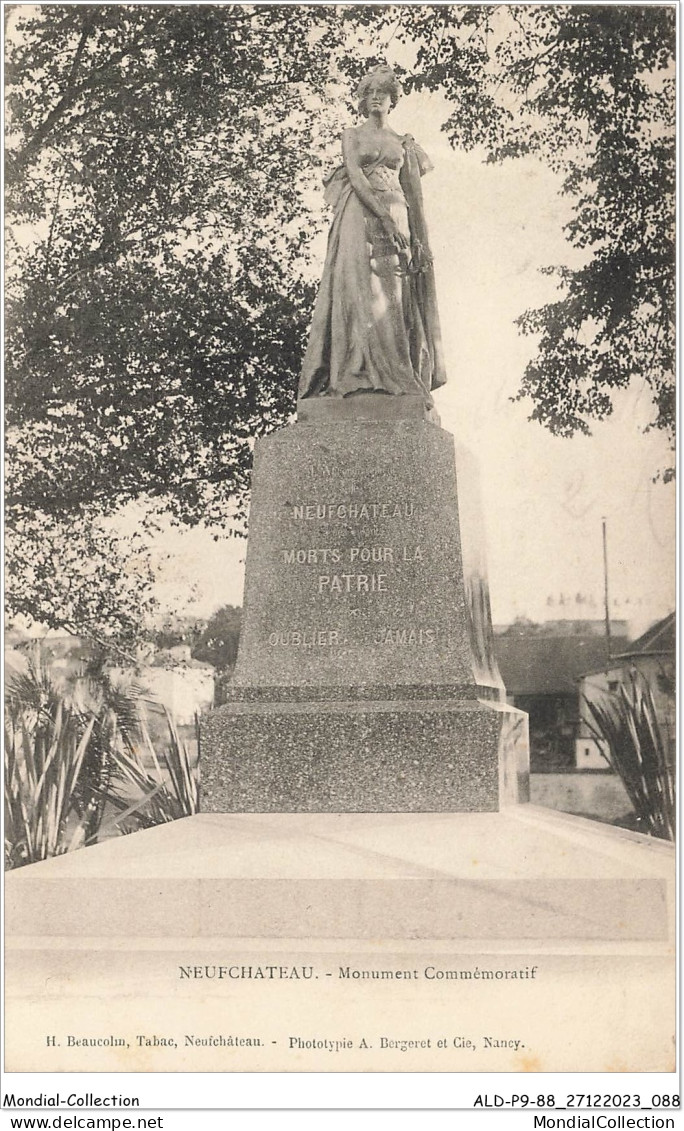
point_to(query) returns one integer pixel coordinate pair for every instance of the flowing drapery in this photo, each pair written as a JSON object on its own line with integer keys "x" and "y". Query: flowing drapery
{"x": 375, "y": 325}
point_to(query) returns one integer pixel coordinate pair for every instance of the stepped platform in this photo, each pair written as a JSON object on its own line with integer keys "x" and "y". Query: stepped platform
{"x": 384, "y": 920}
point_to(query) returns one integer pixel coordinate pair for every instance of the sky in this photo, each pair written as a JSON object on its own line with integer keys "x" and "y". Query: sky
{"x": 492, "y": 229}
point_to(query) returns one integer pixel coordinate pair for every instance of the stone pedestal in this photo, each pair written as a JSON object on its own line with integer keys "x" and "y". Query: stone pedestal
{"x": 365, "y": 679}
{"x": 169, "y": 932}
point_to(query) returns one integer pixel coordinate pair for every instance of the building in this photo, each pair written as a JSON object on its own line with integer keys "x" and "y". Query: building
{"x": 541, "y": 665}
{"x": 653, "y": 656}
{"x": 185, "y": 686}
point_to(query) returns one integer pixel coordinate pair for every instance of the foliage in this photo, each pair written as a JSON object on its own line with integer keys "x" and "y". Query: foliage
{"x": 169, "y": 791}
{"x": 44, "y": 753}
{"x": 159, "y": 166}
{"x": 625, "y": 721}
{"x": 74, "y": 572}
{"x": 179, "y": 630}
{"x": 218, "y": 643}
{"x": 76, "y": 763}
{"x": 156, "y": 324}
{"x": 591, "y": 91}
{"x": 157, "y": 300}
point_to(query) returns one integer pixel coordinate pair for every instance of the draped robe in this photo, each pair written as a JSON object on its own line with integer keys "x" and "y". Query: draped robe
{"x": 375, "y": 326}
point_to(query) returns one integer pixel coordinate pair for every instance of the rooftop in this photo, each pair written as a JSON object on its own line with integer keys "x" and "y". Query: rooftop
{"x": 545, "y": 665}
{"x": 660, "y": 637}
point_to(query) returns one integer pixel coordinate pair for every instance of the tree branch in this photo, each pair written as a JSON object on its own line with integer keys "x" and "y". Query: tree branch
{"x": 70, "y": 96}
{"x": 55, "y": 212}
{"x": 85, "y": 35}
{"x": 73, "y": 630}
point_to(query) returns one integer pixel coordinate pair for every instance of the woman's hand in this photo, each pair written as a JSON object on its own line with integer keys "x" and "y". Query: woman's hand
{"x": 395, "y": 234}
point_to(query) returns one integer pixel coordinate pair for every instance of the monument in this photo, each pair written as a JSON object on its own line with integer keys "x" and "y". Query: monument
{"x": 357, "y": 878}
{"x": 366, "y": 680}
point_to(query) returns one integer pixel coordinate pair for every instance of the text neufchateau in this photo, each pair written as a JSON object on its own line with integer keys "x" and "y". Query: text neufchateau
{"x": 350, "y": 973}
{"x": 312, "y": 511}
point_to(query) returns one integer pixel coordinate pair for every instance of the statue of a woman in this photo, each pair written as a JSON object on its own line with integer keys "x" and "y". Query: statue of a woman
{"x": 375, "y": 326}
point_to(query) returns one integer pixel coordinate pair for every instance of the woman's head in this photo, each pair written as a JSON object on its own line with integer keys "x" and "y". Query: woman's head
{"x": 381, "y": 78}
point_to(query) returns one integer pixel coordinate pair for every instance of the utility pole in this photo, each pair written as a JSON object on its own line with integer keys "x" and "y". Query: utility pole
{"x": 609, "y": 647}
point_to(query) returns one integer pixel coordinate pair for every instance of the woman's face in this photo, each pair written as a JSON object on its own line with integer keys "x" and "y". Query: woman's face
{"x": 378, "y": 98}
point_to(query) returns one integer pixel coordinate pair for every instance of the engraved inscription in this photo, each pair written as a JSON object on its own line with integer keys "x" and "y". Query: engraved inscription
{"x": 360, "y": 571}
{"x": 325, "y": 469}
{"x": 322, "y": 555}
{"x": 352, "y": 583}
{"x": 351, "y": 510}
{"x": 323, "y": 638}
{"x": 371, "y": 554}
{"x": 312, "y": 556}
{"x": 406, "y": 636}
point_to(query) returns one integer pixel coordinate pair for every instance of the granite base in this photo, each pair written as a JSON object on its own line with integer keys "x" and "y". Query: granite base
{"x": 366, "y": 679}
{"x": 358, "y": 757}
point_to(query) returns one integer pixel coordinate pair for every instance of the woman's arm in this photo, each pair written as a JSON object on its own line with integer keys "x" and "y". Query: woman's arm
{"x": 359, "y": 183}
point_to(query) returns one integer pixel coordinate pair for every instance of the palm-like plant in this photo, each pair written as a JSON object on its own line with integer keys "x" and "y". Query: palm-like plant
{"x": 75, "y": 766}
{"x": 625, "y": 722}
{"x": 42, "y": 767}
{"x": 168, "y": 791}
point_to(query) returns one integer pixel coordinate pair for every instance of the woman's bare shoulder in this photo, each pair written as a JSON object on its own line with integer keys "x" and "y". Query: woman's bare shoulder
{"x": 351, "y": 137}
{"x": 350, "y": 141}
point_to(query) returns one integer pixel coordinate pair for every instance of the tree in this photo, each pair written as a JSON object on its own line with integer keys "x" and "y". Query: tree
{"x": 158, "y": 300}
{"x": 218, "y": 643}
{"x": 161, "y": 284}
{"x": 591, "y": 91}
{"x": 74, "y": 572}
{"x": 156, "y": 323}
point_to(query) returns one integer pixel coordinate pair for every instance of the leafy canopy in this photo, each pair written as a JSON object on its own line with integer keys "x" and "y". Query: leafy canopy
{"x": 591, "y": 91}
{"x": 159, "y": 295}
